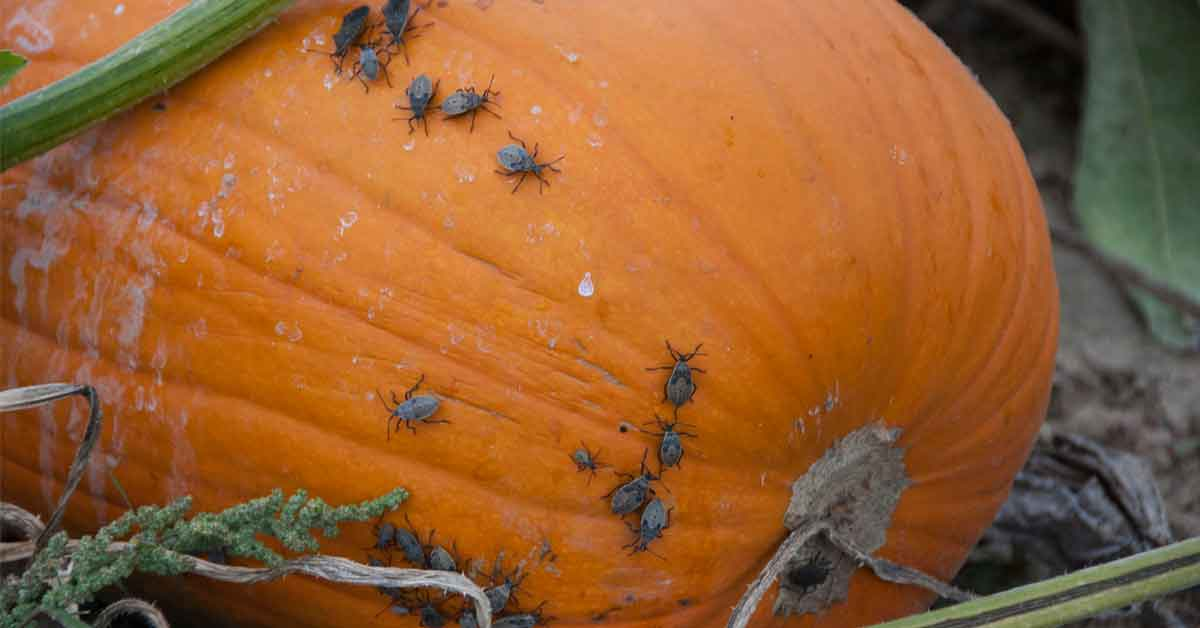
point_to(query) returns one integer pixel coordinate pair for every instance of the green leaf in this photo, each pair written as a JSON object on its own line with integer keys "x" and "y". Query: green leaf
{"x": 1136, "y": 186}
{"x": 10, "y": 64}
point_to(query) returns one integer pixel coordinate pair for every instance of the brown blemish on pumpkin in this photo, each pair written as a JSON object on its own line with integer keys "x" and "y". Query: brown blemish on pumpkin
{"x": 854, "y": 489}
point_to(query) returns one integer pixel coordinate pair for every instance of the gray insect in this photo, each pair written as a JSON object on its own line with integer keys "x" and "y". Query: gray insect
{"x": 464, "y": 101}
{"x": 419, "y": 93}
{"x": 586, "y": 460}
{"x": 630, "y": 496}
{"x": 442, "y": 560}
{"x": 353, "y": 25}
{"x": 412, "y": 409}
{"x": 409, "y": 543}
{"x": 384, "y": 535}
{"x": 670, "y": 449}
{"x": 655, "y": 519}
{"x": 516, "y": 159}
{"x": 431, "y": 617}
{"x": 679, "y": 388}
{"x": 467, "y": 619}
{"x": 398, "y": 21}
{"x": 500, "y": 594}
{"x": 369, "y": 65}
{"x": 523, "y": 620}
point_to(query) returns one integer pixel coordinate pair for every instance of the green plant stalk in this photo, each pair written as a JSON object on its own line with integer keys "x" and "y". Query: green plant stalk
{"x": 167, "y": 53}
{"x": 1078, "y": 595}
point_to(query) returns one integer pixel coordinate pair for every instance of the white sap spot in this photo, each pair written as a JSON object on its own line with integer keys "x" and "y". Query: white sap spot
{"x": 448, "y": 221}
{"x": 456, "y": 334}
{"x": 899, "y": 155}
{"x": 328, "y": 81}
{"x": 274, "y": 252}
{"x": 595, "y": 141}
{"x": 600, "y": 118}
{"x": 553, "y": 342}
{"x": 465, "y": 173}
{"x": 570, "y": 56}
{"x": 267, "y": 72}
{"x": 199, "y": 328}
{"x": 354, "y": 360}
{"x": 371, "y": 314}
{"x": 292, "y": 332}
{"x": 218, "y": 228}
{"x": 575, "y": 113}
{"x": 346, "y": 221}
{"x": 228, "y": 180}
{"x": 229, "y": 161}
{"x": 536, "y": 110}
{"x": 586, "y": 287}
{"x": 120, "y": 8}
{"x": 410, "y": 144}
{"x": 39, "y": 39}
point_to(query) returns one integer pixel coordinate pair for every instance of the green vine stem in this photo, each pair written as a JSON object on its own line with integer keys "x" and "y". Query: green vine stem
{"x": 1078, "y": 595}
{"x": 162, "y": 56}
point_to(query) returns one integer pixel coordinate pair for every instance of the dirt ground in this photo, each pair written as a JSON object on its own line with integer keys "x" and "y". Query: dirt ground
{"x": 1113, "y": 382}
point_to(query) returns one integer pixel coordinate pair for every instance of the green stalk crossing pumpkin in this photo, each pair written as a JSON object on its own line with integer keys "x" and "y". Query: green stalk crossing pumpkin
{"x": 819, "y": 192}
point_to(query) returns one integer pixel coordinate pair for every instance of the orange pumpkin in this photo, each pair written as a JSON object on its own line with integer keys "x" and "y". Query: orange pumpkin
{"x": 819, "y": 192}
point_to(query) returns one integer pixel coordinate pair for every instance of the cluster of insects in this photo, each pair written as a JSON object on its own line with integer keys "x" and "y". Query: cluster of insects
{"x": 502, "y": 589}
{"x": 636, "y": 492}
{"x": 375, "y": 54}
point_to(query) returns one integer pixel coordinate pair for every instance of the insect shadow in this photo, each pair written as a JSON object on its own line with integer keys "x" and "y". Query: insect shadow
{"x": 517, "y": 159}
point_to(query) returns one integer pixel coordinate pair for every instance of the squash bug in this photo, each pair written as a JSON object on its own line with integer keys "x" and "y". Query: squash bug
{"x": 523, "y": 620}
{"x": 410, "y": 544}
{"x": 419, "y": 93}
{"x": 431, "y": 617}
{"x": 679, "y": 388}
{"x": 586, "y": 460}
{"x": 397, "y": 594}
{"x": 370, "y": 65}
{"x": 807, "y": 576}
{"x": 464, "y": 101}
{"x": 398, "y": 21}
{"x": 384, "y": 535}
{"x": 670, "y": 450}
{"x": 467, "y": 619}
{"x": 412, "y": 409}
{"x": 442, "y": 560}
{"x": 630, "y": 496}
{"x": 353, "y": 25}
{"x": 500, "y": 594}
{"x": 655, "y": 519}
{"x": 516, "y": 159}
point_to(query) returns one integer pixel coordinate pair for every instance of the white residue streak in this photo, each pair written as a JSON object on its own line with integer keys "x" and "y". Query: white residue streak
{"x": 292, "y": 332}
{"x": 571, "y": 57}
{"x": 30, "y": 33}
{"x": 586, "y": 287}
{"x": 346, "y": 221}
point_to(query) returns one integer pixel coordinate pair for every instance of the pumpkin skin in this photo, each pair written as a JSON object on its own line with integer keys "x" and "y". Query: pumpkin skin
{"x": 820, "y": 192}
